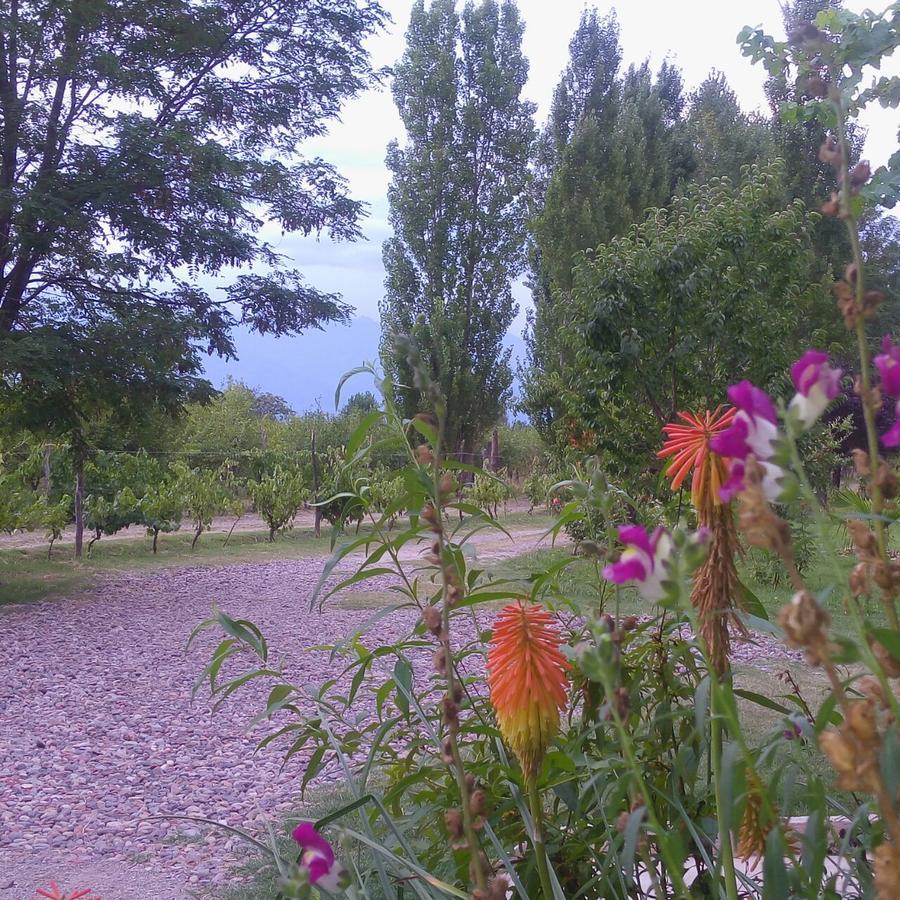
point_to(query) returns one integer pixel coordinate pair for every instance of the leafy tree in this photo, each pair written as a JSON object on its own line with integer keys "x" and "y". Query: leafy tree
{"x": 96, "y": 381}
{"x": 271, "y": 406}
{"x": 171, "y": 128}
{"x": 278, "y": 497}
{"x": 613, "y": 146}
{"x": 162, "y": 507}
{"x": 363, "y": 403}
{"x": 54, "y": 517}
{"x": 720, "y": 287}
{"x": 206, "y": 493}
{"x": 723, "y": 138}
{"x": 457, "y": 207}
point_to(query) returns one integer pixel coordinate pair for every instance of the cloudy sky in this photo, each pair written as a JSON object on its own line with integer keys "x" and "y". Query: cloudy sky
{"x": 697, "y": 35}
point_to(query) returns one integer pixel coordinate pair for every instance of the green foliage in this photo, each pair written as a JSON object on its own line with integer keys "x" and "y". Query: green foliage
{"x": 174, "y": 157}
{"x": 457, "y": 207}
{"x": 721, "y": 283}
{"x": 487, "y": 492}
{"x": 629, "y": 762}
{"x": 162, "y": 507}
{"x": 54, "y": 517}
{"x": 205, "y": 493}
{"x": 278, "y": 497}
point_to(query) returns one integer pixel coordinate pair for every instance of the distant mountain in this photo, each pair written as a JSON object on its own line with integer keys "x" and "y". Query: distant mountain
{"x": 305, "y": 370}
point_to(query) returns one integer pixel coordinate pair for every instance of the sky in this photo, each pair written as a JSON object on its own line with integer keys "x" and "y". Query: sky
{"x": 696, "y": 35}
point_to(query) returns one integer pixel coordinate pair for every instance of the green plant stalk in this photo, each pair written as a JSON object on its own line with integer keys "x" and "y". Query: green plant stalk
{"x": 458, "y": 766}
{"x": 852, "y": 608}
{"x": 726, "y": 849}
{"x": 865, "y": 363}
{"x": 536, "y": 807}
{"x": 676, "y": 868}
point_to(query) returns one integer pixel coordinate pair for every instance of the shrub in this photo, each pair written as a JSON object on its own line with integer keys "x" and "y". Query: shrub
{"x": 278, "y": 497}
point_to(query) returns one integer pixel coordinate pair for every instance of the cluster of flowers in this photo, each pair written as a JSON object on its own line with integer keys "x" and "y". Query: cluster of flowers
{"x": 752, "y": 432}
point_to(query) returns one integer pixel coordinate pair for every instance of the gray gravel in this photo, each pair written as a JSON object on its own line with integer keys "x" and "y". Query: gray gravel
{"x": 97, "y": 729}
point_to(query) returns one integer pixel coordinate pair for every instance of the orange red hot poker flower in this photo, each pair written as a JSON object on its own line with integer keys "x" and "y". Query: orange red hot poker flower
{"x": 527, "y": 679}
{"x": 688, "y": 445}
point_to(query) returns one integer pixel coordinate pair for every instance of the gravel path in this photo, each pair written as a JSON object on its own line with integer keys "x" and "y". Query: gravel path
{"x": 97, "y": 729}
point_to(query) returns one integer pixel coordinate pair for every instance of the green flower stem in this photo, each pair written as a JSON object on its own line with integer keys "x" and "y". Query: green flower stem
{"x": 536, "y": 806}
{"x": 458, "y": 766}
{"x": 726, "y": 849}
{"x": 822, "y": 523}
{"x": 865, "y": 363}
{"x": 675, "y": 866}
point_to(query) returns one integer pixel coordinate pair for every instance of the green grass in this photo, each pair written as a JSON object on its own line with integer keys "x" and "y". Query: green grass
{"x": 27, "y": 575}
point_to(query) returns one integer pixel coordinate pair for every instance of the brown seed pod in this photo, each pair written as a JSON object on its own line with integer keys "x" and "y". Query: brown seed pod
{"x": 431, "y": 617}
{"x": 424, "y": 456}
{"x": 860, "y": 174}
{"x": 860, "y": 461}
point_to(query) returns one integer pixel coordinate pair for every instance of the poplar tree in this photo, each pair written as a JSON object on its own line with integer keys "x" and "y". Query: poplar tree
{"x": 457, "y": 207}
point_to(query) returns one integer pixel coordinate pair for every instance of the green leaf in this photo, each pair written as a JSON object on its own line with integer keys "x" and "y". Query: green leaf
{"x": 343, "y": 811}
{"x": 751, "y": 603}
{"x": 760, "y": 700}
{"x": 361, "y": 430}
{"x": 366, "y": 369}
{"x": 889, "y": 639}
{"x": 403, "y": 676}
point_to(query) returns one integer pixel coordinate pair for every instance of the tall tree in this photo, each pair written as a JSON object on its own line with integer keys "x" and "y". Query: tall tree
{"x": 723, "y": 138}
{"x": 613, "y": 147}
{"x": 457, "y": 206}
{"x": 655, "y": 327}
{"x": 143, "y": 144}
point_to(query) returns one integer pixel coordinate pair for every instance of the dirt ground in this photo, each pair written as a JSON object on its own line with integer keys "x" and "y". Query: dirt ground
{"x": 98, "y": 732}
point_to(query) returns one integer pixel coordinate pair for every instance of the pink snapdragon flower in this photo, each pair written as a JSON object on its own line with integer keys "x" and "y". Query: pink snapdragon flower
{"x": 753, "y": 432}
{"x": 891, "y": 438}
{"x": 888, "y": 365}
{"x": 817, "y": 384}
{"x": 645, "y": 561}
{"x": 317, "y": 857}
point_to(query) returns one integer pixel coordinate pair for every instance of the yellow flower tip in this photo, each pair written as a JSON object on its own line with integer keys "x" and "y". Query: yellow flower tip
{"x": 528, "y": 681}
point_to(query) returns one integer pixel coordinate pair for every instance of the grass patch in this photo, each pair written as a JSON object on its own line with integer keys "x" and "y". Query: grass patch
{"x": 367, "y": 599}
{"x": 27, "y": 575}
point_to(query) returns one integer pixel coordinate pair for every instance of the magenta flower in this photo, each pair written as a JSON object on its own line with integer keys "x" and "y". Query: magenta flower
{"x": 753, "y": 432}
{"x": 888, "y": 363}
{"x": 891, "y": 438}
{"x": 317, "y": 857}
{"x": 817, "y": 384}
{"x": 645, "y": 560}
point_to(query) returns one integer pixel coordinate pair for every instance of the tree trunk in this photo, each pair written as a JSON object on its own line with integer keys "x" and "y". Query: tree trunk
{"x": 495, "y": 451}
{"x": 155, "y": 538}
{"x": 315, "y": 478}
{"x": 45, "y": 484}
{"x": 271, "y": 535}
{"x": 197, "y": 534}
{"x": 79, "y": 502}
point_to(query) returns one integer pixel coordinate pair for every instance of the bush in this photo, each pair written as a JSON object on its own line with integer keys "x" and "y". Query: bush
{"x": 278, "y": 498}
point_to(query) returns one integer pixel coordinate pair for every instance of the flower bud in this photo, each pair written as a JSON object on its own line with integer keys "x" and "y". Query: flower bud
{"x": 431, "y": 617}
{"x": 454, "y": 821}
{"x": 829, "y": 152}
{"x": 860, "y": 174}
{"x": 424, "y": 456}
